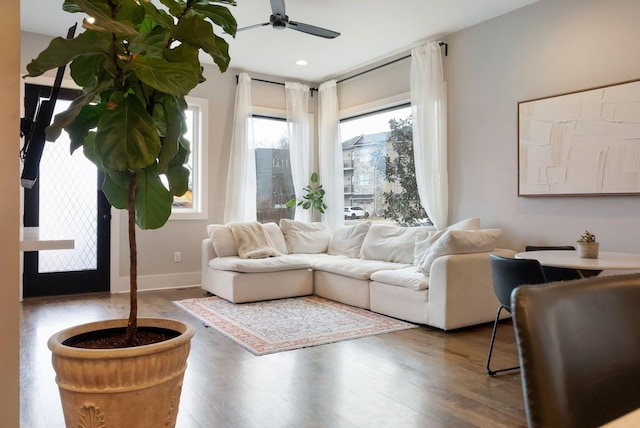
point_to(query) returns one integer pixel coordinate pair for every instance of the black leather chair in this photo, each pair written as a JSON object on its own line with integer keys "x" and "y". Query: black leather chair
{"x": 508, "y": 274}
{"x": 555, "y": 273}
{"x": 579, "y": 348}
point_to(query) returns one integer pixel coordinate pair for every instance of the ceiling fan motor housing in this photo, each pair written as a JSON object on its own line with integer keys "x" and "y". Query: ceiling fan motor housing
{"x": 279, "y": 22}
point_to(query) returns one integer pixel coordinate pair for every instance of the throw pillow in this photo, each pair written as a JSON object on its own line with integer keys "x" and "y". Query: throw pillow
{"x": 426, "y": 240}
{"x": 347, "y": 240}
{"x": 223, "y": 242}
{"x": 277, "y": 238}
{"x": 460, "y": 242}
{"x": 305, "y": 238}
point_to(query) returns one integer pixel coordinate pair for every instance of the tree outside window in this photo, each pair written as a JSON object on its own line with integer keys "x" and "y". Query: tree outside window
{"x": 379, "y": 167}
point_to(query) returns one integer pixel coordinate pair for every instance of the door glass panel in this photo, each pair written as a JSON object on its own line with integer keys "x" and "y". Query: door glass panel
{"x": 68, "y": 204}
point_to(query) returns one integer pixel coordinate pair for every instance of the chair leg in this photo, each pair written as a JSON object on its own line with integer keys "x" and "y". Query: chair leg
{"x": 493, "y": 338}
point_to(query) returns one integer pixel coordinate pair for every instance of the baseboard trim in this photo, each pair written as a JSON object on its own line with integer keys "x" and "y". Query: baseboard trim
{"x": 157, "y": 282}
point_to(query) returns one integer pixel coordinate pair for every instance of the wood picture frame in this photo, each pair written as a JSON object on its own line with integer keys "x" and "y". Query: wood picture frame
{"x": 581, "y": 143}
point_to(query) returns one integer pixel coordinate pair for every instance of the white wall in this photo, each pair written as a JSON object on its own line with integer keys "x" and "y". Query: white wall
{"x": 544, "y": 49}
{"x": 9, "y": 216}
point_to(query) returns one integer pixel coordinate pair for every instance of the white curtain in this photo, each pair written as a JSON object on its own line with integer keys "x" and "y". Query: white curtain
{"x": 297, "y": 99}
{"x": 241, "y": 179}
{"x": 429, "y": 114}
{"x": 331, "y": 174}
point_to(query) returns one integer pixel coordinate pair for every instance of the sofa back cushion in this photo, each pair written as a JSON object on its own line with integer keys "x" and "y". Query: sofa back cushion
{"x": 390, "y": 243}
{"x": 460, "y": 242}
{"x": 347, "y": 240}
{"x": 222, "y": 240}
{"x": 305, "y": 238}
{"x": 277, "y": 238}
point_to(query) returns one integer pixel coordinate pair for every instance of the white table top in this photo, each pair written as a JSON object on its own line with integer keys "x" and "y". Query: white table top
{"x": 569, "y": 259}
{"x": 32, "y": 239}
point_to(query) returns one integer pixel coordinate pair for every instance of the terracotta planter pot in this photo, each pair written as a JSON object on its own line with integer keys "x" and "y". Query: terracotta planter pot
{"x": 588, "y": 250}
{"x": 125, "y": 387}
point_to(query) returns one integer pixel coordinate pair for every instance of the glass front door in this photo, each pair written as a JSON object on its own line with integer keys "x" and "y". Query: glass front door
{"x": 67, "y": 201}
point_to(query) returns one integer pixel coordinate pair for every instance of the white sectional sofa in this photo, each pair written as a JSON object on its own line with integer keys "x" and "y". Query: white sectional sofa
{"x": 421, "y": 275}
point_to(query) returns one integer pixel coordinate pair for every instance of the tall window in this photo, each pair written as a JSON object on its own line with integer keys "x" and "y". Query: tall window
{"x": 273, "y": 169}
{"x": 193, "y": 204}
{"x": 379, "y": 169}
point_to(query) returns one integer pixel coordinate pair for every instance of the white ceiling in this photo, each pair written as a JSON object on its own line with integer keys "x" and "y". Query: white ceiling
{"x": 371, "y": 30}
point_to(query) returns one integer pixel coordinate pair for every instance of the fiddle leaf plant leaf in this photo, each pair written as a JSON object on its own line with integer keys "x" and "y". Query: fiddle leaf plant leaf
{"x": 127, "y": 138}
{"x": 220, "y": 16}
{"x": 198, "y": 32}
{"x": 178, "y": 177}
{"x": 115, "y": 191}
{"x": 173, "y": 78}
{"x": 153, "y": 199}
{"x": 61, "y": 51}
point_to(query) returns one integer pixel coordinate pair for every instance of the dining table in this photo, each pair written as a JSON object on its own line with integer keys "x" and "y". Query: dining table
{"x": 585, "y": 266}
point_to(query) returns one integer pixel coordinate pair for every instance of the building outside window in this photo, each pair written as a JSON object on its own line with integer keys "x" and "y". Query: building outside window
{"x": 378, "y": 167}
{"x": 273, "y": 169}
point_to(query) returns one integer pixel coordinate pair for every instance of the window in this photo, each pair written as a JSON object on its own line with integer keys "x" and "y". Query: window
{"x": 273, "y": 169}
{"x": 379, "y": 171}
{"x": 193, "y": 204}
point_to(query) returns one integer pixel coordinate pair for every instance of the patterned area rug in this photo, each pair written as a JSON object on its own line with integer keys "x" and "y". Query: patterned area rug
{"x": 285, "y": 324}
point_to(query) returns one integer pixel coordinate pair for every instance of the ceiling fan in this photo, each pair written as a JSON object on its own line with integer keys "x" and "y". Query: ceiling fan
{"x": 279, "y": 20}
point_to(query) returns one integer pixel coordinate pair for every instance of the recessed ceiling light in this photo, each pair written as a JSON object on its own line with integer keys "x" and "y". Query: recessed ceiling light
{"x": 91, "y": 20}
{"x": 301, "y": 62}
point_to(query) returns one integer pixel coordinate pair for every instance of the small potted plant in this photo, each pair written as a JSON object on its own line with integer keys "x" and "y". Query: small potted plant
{"x": 587, "y": 246}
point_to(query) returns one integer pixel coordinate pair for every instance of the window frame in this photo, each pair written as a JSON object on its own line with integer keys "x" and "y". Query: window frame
{"x": 200, "y": 156}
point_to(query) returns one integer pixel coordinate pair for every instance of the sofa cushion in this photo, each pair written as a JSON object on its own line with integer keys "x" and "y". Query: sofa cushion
{"x": 460, "y": 242}
{"x": 390, "y": 243}
{"x": 317, "y": 258}
{"x": 302, "y": 237}
{"x": 271, "y": 264}
{"x": 357, "y": 268}
{"x": 347, "y": 240}
{"x": 222, "y": 240}
{"x": 277, "y": 238}
{"x": 406, "y": 277}
{"x": 425, "y": 240}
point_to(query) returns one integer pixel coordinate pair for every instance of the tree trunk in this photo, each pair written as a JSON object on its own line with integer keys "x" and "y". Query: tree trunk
{"x": 132, "y": 324}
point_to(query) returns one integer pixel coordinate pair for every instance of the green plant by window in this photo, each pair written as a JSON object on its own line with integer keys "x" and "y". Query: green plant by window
{"x": 313, "y": 199}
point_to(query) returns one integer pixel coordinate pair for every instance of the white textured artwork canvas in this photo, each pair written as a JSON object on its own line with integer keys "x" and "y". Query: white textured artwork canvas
{"x": 581, "y": 143}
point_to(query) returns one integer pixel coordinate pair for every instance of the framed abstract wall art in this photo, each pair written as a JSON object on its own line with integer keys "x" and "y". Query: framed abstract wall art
{"x": 581, "y": 143}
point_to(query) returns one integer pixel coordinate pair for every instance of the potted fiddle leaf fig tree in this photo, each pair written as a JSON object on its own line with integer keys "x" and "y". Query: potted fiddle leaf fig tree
{"x": 135, "y": 63}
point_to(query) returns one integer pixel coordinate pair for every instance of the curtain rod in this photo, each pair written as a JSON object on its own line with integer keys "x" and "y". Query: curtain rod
{"x": 273, "y": 83}
{"x": 446, "y": 53}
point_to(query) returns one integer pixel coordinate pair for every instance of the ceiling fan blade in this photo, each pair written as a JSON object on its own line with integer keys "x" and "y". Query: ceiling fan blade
{"x": 253, "y": 26}
{"x": 312, "y": 29}
{"x": 277, "y": 7}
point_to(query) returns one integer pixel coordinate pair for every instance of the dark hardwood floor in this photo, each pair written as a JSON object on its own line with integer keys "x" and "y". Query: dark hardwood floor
{"x": 420, "y": 377}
